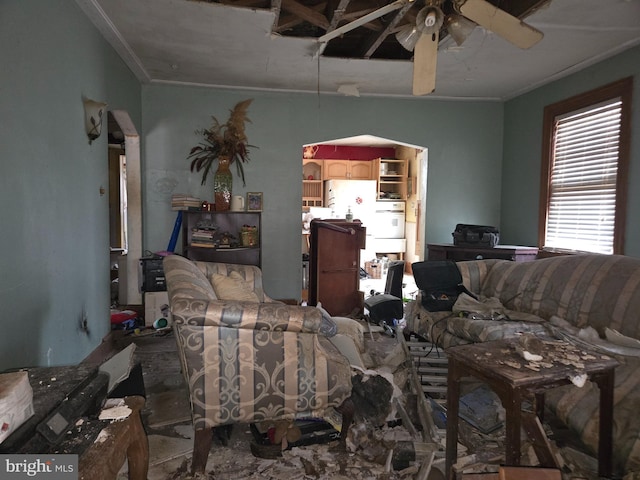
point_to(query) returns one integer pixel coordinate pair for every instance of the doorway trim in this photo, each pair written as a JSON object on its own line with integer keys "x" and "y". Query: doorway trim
{"x": 418, "y": 246}
{"x": 130, "y": 274}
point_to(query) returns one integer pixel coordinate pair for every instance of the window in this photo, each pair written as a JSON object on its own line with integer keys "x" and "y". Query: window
{"x": 584, "y": 169}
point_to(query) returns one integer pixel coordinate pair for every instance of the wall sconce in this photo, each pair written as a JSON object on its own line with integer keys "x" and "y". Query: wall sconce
{"x": 93, "y": 115}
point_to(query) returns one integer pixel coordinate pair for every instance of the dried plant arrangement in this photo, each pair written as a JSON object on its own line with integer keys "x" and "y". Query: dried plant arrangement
{"x": 223, "y": 140}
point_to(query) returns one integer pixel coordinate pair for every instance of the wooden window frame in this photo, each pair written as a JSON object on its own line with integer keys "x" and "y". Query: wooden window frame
{"x": 620, "y": 89}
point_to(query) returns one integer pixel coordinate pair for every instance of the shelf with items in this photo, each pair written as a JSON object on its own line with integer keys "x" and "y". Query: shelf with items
{"x": 393, "y": 178}
{"x": 227, "y": 237}
{"x": 348, "y": 170}
{"x": 312, "y": 191}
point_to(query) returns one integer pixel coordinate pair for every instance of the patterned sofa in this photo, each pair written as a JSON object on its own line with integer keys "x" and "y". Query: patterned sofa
{"x": 247, "y": 358}
{"x": 558, "y": 296}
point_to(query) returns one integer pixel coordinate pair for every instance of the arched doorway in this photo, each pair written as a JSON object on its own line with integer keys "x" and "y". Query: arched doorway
{"x": 316, "y": 156}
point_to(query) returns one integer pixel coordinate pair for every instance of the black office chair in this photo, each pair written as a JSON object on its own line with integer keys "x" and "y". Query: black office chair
{"x": 385, "y": 307}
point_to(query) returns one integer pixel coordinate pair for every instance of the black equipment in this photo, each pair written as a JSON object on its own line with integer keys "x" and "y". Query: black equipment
{"x": 385, "y": 307}
{"x": 440, "y": 283}
{"x": 475, "y": 235}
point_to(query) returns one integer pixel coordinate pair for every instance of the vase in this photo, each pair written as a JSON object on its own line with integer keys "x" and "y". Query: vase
{"x": 222, "y": 185}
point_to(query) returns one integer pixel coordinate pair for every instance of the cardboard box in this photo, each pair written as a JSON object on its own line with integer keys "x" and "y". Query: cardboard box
{"x": 373, "y": 269}
{"x": 16, "y": 402}
{"x": 156, "y": 306}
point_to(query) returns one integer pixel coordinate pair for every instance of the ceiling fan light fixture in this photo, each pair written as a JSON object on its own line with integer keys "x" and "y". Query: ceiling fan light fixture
{"x": 459, "y": 27}
{"x": 408, "y": 37}
{"x": 429, "y": 19}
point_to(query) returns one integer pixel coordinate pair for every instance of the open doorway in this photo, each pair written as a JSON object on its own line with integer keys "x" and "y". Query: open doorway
{"x": 398, "y": 171}
{"x": 118, "y": 212}
{"x": 125, "y": 209}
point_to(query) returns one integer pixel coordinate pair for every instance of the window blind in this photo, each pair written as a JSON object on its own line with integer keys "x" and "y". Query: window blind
{"x": 582, "y": 189}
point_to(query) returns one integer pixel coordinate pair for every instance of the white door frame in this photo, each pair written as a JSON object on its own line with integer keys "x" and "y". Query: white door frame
{"x": 130, "y": 274}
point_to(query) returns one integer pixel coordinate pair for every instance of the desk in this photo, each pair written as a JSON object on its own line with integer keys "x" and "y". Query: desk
{"x": 512, "y": 379}
{"x": 458, "y": 253}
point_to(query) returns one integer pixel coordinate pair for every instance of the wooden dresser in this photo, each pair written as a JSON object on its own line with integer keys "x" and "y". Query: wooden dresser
{"x": 457, "y": 253}
{"x": 334, "y": 265}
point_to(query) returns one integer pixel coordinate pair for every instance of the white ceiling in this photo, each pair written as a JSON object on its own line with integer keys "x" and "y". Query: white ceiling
{"x": 199, "y": 43}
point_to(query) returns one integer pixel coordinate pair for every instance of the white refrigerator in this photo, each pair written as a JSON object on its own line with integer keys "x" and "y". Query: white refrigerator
{"x": 358, "y": 195}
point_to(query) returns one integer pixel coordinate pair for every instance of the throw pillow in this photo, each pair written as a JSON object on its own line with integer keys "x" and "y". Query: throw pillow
{"x": 328, "y": 327}
{"x": 233, "y": 287}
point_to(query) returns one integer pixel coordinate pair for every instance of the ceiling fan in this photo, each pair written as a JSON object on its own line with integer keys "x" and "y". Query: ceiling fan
{"x": 423, "y": 37}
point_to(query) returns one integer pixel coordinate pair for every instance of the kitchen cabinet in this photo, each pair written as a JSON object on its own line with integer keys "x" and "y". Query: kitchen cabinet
{"x": 393, "y": 177}
{"x": 348, "y": 170}
{"x": 312, "y": 191}
{"x": 225, "y": 237}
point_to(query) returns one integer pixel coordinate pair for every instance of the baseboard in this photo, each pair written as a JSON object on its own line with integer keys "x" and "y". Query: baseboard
{"x": 107, "y": 348}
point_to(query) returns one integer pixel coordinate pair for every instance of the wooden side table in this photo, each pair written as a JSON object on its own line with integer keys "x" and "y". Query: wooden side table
{"x": 123, "y": 440}
{"x": 513, "y": 379}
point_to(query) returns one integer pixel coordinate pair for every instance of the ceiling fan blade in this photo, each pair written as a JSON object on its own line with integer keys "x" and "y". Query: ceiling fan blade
{"x": 501, "y": 23}
{"x": 424, "y": 64}
{"x": 362, "y": 20}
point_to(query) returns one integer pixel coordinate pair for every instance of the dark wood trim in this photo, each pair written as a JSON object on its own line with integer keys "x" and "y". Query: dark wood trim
{"x": 624, "y": 158}
{"x": 622, "y": 88}
{"x": 545, "y": 172}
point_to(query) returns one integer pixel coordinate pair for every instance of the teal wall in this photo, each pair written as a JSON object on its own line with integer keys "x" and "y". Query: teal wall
{"x": 523, "y": 149}
{"x": 54, "y": 262}
{"x": 54, "y": 243}
{"x": 464, "y": 141}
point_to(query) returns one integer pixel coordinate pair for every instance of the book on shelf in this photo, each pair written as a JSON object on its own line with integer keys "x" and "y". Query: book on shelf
{"x": 180, "y": 201}
{"x": 203, "y": 233}
{"x": 202, "y": 244}
{"x": 186, "y": 208}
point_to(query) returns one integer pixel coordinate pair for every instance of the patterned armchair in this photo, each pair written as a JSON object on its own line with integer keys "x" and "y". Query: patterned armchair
{"x": 247, "y": 358}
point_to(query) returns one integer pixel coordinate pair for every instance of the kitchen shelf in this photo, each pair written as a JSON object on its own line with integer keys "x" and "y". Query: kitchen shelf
{"x": 312, "y": 191}
{"x": 393, "y": 178}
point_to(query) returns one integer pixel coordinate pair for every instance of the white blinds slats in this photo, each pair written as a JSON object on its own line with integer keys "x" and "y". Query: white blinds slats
{"x": 583, "y": 179}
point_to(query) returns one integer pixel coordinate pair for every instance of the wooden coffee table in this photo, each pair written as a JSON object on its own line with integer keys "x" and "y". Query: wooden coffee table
{"x": 513, "y": 379}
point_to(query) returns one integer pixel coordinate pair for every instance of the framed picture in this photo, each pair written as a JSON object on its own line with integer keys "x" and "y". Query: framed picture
{"x": 254, "y": 201}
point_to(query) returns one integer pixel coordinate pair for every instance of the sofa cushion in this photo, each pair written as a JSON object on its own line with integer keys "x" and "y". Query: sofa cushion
{"x": 578, "y": 408}
{"x": 352, "y": 328}
{"x": 586, "y": 290}
{"x": 328, "y": 327}
{"x": 249, "y": 315}
{"x": 233, "y": 287}
{"x": 489, "y": 330}
{"x": 185, "y": 280}
{"x": 250, "y": 273}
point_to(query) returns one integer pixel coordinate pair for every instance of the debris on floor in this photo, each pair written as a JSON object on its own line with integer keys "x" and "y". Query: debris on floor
{"x": 389, "y": 440}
